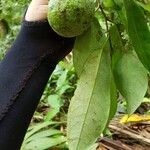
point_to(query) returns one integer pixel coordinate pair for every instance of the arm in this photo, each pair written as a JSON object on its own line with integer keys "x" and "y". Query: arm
{"x": 24, "y": 73}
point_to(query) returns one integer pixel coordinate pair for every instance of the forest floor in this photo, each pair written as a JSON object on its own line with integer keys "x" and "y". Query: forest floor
{"x": 130, "y": 136}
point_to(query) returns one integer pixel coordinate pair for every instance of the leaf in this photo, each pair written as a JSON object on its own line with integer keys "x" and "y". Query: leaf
{"x": 51, "y": 114}
{"x": 113, "y": 103}
{"x": 55, "y": 102}
{"x": 38, "y": 127}
{"x": 93, "y": 147}
{"x": 134, "y": 118}
{"x": 113, "y": 98}
{"x": 62, "y": 79}
{"x": 43, "y": 134}
{"x": 108, "y": 3}
{"x": 44, "y": 143}
{"x": 145, "y": 6}
{"x": 84, "y": 45}
{"x": 129, "y": 73}
{"x": 89, "y": 108}
{"x": 131, "y": 80}
{"x": 138, "y": 31}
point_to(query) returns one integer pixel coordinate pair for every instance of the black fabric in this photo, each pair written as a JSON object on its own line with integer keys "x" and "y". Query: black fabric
{"x": 24, "y": 73}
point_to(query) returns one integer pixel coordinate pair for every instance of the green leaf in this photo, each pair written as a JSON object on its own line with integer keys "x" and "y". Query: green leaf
{"x": 85, "y": 45}
{"x": 89, "y": 108}
{"x": 129, "y": 73}
{"x": 35, "y": 128}
{"x": 44, "y": 143}
{"x": 62, "y": 79}
{"x": 145, "y": 6}
{"x": 51, "y": 114}
{"x": 113, "y": 102}
{"x": 55, "y": 102}
{"x": 113, "y": 98}
{"x": 138, "y": 31}
{"x": 43, "y": 134}
{"x": 108, "y": 3}
{"x": 131, "y": 80}
{"x": 118, "y": 2}
{"x": 93, "y": 147}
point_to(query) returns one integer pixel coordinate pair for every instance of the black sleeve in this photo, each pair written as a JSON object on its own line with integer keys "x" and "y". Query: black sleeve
{"x": 24, "y": 73}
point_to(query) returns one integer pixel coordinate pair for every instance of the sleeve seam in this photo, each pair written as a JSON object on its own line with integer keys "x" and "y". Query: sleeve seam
{"x": 22, "y": 85}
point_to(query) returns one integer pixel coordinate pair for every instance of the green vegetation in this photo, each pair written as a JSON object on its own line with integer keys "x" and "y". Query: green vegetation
{"x": 110, "y": 61}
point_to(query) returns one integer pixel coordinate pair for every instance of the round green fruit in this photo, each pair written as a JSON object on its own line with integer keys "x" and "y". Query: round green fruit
{"x": 70, "y": 18}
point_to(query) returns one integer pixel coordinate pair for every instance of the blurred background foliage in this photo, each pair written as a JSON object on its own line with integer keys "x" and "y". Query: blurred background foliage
{"x": 48, "y": 126}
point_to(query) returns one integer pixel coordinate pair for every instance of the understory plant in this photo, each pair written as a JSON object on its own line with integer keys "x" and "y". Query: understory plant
{"x": 110, "y": 58}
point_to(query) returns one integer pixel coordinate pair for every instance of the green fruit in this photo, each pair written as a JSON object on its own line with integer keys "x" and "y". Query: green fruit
{"x": 70, "y": 18}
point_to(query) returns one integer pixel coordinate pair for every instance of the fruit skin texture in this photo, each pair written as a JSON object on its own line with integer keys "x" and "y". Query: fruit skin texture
{"x": 70, "y": 18}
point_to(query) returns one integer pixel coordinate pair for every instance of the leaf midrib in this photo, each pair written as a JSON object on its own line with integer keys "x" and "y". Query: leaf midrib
{"x": 90, "y": 97}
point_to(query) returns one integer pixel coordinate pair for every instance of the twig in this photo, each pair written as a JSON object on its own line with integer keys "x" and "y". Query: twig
{"x": 106, "y": 22}
{"x": 107, "y": 28}
{"x": 132, "y": 135}
{"x": 108, "y": 143}
{"x": 98, "y": 6}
